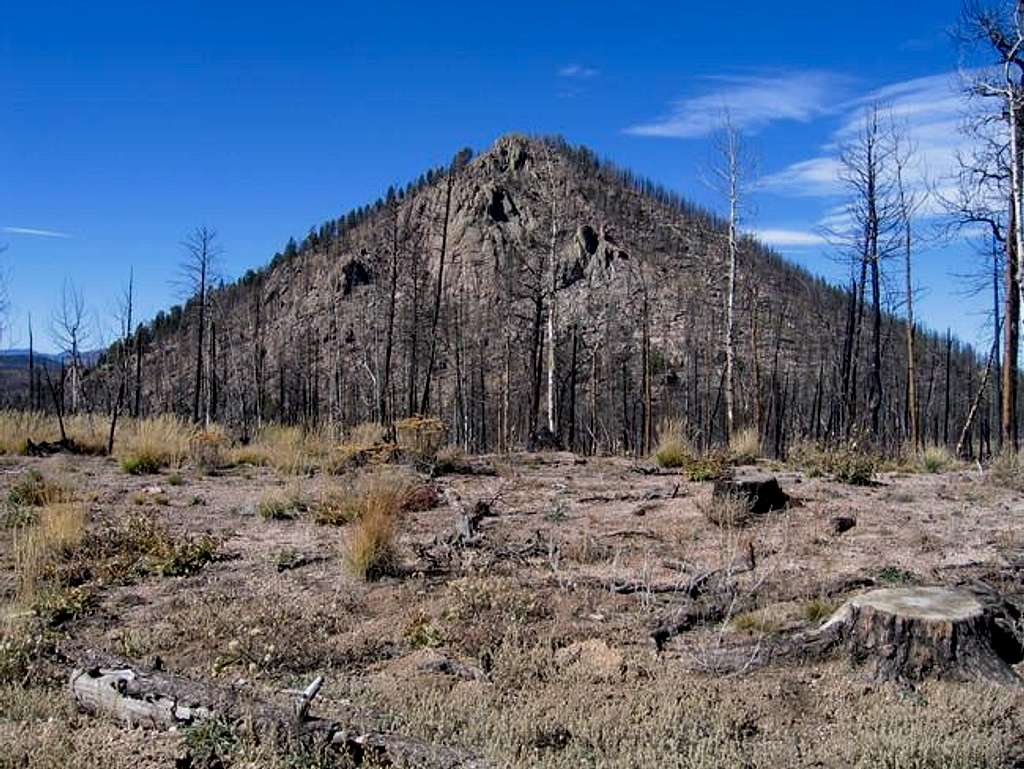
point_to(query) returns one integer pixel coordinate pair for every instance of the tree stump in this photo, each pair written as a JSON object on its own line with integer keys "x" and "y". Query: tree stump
{"x": 762, "y": 493}
{"x": 907, "y": 634}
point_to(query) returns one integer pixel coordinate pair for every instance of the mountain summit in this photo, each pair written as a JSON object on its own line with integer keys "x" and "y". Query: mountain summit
{"x": 533, "y": 290}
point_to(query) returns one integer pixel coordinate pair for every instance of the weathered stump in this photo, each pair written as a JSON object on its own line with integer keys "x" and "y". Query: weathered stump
{"x": 761, "y": 492}
{"x": 907, "y": 634}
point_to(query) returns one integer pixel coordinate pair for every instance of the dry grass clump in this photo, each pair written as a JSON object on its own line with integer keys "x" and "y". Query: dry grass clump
{"x": 1006, "y": 470}
{"x": 371, "y": 506}
{"x": 369, "y": 549}
{"x": 674, "y": 450}
{"x": 387, "y": 492}
{"x": 937, "y": 459}
{"x": 17, "y": 427}
{"x": 289, "y": 449}
{"x": 281, "y": 504}
{"x": 151, "y": 444}
{"x": 37, "y": 549}
{"x": 32, "y": 489}
{"x": 848, "y": 463}
{"x": 421, "y": 436}
{"x": 745, "y": 446}
{"x": 208, "y": 449}
{"x": 727, "y": 512}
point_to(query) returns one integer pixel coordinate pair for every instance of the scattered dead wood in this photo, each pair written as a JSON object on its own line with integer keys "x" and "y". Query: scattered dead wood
{"x": 699, "y": 607}
{"x": 48, "y": 448}
{"x": 119, "y": 689}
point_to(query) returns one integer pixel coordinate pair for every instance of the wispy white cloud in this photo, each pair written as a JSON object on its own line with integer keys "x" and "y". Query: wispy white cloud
{"x": 785, "y": 238}
{"x": 752, "y": 103}
{"x": 34, "y": 232}
{"x": 929, "y": 109}
{"x": 578, "y": 71}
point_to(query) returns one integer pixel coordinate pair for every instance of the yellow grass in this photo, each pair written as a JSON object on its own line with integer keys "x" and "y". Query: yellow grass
{"x": 745, "y": 444}
{"x": 150, "y": 444}
{"x": 372, "y": 507}
{"x": 61, "y": 528}
{"x": 673, "y": 448}
{"x": 369, "y": 546}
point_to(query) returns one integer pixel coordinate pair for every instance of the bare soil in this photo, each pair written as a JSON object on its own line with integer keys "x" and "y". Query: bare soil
{"x": 553, "y": 605}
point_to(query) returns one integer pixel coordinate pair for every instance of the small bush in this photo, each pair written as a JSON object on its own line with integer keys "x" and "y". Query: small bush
{"x": 708, "y": 467}
{"x": 893, "y": 575}
{"x": 421, "y": 633}
{"x": 848, "y": 464}
{"x": 141, "y": 464}
{"x": 421, "y": 436}
{"x": 281, "y": 505}
{"x": 32, "y": 489}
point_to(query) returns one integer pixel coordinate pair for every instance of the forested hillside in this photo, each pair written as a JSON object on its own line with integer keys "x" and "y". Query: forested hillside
{"x": 535, "y": 292}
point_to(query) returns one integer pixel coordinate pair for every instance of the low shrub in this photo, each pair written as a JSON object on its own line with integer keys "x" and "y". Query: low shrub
{"x": 848, "y": 463}
{"x": 32, "y": 489}
{"x": 421, "y": 436}
{"x": 281, "y": 505}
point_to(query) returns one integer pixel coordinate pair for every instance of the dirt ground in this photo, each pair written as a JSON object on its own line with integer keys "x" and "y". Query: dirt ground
{"x": 550, "y": 611}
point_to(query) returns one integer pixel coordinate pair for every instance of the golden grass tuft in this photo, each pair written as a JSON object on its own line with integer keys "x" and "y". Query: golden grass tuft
{"x": 673, "y": 450}
{"x": 60, "y": 529}
{"x": 148, "y": 445}
{"x": 371, "y": 507}
{"x": 208, "y": 449}
{"x": 745, "y": 445}
{"x": 369, "y": 550}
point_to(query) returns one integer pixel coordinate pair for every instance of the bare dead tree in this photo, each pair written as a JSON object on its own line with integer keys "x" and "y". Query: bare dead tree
{"x": 124, "y": 313}
{"x": 908, "y": 203}
{"x": 197, "y": 274}
{"x": 71, "y": 332}
{"x": 867, "y": 173}
{"x": 731, "y": 175}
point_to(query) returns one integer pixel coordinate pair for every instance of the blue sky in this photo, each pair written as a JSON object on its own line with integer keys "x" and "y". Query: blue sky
{"x": 124, "y": 125}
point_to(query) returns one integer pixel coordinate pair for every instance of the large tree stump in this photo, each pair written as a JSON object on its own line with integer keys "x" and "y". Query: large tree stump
{"x": 762, "y": 493}
{"x": 912, "y": 633}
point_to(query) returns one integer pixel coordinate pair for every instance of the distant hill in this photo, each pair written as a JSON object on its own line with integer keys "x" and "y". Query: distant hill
{"x": 442, "y": 296}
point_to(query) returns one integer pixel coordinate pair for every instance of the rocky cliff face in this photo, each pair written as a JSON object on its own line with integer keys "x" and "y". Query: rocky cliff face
{"x": 630, "y": 277}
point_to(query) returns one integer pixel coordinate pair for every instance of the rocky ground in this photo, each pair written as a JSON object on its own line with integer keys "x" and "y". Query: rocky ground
{"x": 525, "y": 640}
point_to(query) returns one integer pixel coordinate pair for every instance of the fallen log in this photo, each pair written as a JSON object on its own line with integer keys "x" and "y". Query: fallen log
{"x": 110, "y": 686}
